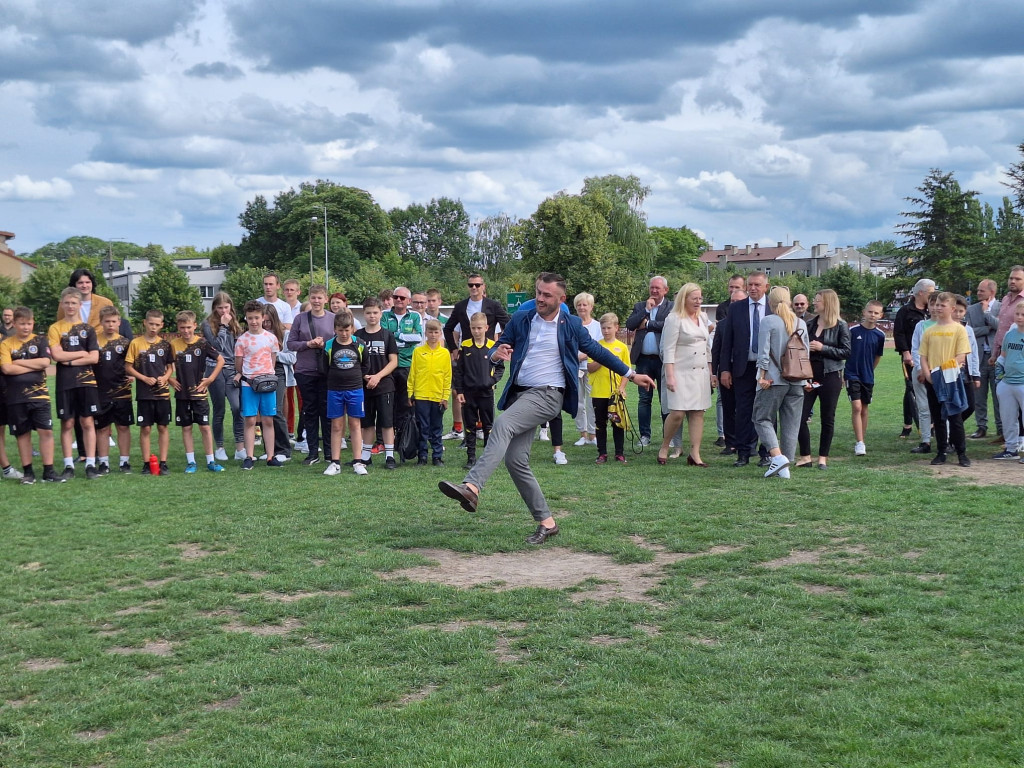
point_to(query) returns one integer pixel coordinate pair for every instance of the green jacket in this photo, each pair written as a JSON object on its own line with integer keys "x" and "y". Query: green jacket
{"x": 408, "y": 333}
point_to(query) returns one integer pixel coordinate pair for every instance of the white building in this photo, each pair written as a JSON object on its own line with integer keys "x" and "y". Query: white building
{"x": 125, "y": 281}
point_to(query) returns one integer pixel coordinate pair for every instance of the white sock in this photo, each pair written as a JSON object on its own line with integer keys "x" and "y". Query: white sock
{"x": 69, "y": 463}
{"x": 190, "y": 457}
{"x": 366, "y": 452}
{"x": 389, "y": 451}
{"x": 104, "y": 461}
{"x": 90, "y": 461}
{"x": 123, "y": 460}
{"x": 209, "y": 458}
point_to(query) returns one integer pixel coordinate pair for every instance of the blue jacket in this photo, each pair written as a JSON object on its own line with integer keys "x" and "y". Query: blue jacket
{"x": 952, "y": 397}
{"x": 572, "y": 339}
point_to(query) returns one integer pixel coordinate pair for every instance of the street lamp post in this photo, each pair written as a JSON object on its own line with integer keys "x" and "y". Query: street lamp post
{"x": 327, "y": 270}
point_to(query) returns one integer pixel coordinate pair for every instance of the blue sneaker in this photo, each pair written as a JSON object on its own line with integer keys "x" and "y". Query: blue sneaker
{"x": 190, "y": 469}
{"x": 214, "y": 467}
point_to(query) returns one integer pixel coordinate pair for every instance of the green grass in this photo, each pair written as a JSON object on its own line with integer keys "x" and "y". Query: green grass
{"x": 912, "y": 658}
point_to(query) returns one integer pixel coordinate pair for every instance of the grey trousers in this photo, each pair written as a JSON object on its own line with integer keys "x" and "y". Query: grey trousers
{"x": 924, "y": 414}
{"x": 988, "y": 384}
{"x": 788, "y": 401}
{"x": 511, "y": 439}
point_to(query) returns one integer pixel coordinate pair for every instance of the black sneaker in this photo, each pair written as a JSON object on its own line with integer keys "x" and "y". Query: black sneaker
{"x": 1006, "y": 456}
{"x": 962, "y": 460}
{"x": 68, "y": 474}
{"x": 126, "y": 468}
{"x": 91, "y": 473}
{"x": 720, "y": 442}
{"x": 103, "y": 469}
{"x": 310, "y": 460}
{"x": 164, "y": 469}
{"x": 28, "y": 478}
{"x": 249, "y": 463}
{"x": 940, "y": 458}
{"x": 274, "y": 462}
{"x": 421, "y": 462}
{"x": 389, "y": 463}
{"x": 366, "y": 462}
{"x": 145, "y": 468}
{"x": 469, "y": 464}
{"x": 438, "y": 461}
{"x": 922, "y": 448}
{"x": 51, "y": 476}
{"x": 906, "y": 432}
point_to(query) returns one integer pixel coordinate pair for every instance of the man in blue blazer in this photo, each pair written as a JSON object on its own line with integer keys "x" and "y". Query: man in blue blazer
{"x": 737, "y": 367}
{"x": 543, "y": 346}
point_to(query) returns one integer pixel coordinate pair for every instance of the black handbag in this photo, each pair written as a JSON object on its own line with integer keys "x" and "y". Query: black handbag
{"x": 407, "y": 443}
{"x": 265, "y": 382}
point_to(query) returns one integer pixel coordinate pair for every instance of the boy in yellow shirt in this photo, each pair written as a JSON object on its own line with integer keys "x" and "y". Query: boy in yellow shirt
{"x": 430, "y": 381}
{"x": 602, "y": 383}
{"x": 945, "y": 346}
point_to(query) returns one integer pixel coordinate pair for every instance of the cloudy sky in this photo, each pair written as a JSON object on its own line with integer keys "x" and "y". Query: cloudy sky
{"x": 751, "y": 120}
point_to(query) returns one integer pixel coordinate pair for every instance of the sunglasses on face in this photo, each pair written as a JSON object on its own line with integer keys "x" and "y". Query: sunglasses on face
{"x": 475, "y": 285}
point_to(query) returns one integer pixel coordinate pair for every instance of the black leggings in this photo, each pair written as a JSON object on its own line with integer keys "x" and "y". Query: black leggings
{"x": 947, "y": 432}
{"x": 601, "y": 422}
{"x": 909, "y": 400}
{"x": 828, "y": 396}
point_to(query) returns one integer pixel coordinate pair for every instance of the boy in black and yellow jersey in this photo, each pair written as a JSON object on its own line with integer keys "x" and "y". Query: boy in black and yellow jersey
{"x": 115, "y": 392}
{"x": 74, "y": 350}
{"x": 190, "y": 382}
{"x": 24, "y": 358}
{"x": 473, "y": 380}
{"x": 150, "y": 362}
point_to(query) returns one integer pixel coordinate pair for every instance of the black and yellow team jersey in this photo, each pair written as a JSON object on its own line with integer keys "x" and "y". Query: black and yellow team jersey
{"x": 150, "y": 359}
{"x": 73, "y": 337}
{"x": 190, "y": 365}
{"x": 113, "y": 382}
{"x": 25, "y": 387}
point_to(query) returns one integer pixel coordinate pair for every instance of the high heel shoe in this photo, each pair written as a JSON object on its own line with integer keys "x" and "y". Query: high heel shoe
{"x": 663, "y": 460}
{"x": 694, "y": 463}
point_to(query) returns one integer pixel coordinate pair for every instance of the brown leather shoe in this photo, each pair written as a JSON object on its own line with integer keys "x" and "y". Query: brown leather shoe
{"x": 542, "y": 534}
{"x": 461, "y": 492}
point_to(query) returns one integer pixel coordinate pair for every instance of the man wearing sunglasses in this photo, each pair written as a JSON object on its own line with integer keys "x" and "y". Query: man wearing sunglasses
{"x": 477, "y": 302}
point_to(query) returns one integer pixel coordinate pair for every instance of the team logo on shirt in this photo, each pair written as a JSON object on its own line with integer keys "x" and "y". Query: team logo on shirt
{"x": 160, "y": 352}
{"x": 119, "y": 348}
{"x": 33, "y": 349}
{"x": 83, "y": 333}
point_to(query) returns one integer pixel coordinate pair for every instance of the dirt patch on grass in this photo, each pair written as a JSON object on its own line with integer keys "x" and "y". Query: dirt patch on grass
{"x": 607, "y": 640}
{"x": 219, "y": 613}
{"x": 708, "y": 642}
{"x": 191, "y": 550}
{"x": 931, "y": 578}
{"x": 813, "y": 556}
{"x": 153, "y": 648}
{"x": 503, "y": 650}
{"x": 146, "y": 607}
{"x": 16, "y": 703}
{"x": 316, "y": 645}
{"x": 598, "y": 577}
{"x": 148, "y": 584}
{"x": 42, "y": 665}
{"x": 263, "y": 630}
{"x": 281, "y": 597}
{"x": 822, "y": 589}
{"x": 420, "y": 695}
{"x": 93, "y": 735}
{"x": 912, "y": 554}
{"x": 30, "y": 567}
{"x": 170, "y": 738}
{"x": 224, "y": 704}
{"x": 983, "y": 472}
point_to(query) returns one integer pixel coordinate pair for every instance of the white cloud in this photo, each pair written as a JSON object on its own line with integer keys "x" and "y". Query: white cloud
{"x": 719, "y": 190}
{"x": 108, "y": 190}
{"x": 775, "y": 160}
{"x": 114, "y": 172}
{"x": 24, "y": 188}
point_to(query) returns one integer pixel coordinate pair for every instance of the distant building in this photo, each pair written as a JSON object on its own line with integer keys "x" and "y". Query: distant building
{"x": 780, "y": 260}
{"x": 12, "y": 266}
{"x": 125, "y": 280}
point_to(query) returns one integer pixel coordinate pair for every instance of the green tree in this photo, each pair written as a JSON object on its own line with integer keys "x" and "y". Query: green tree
{"x": 944, "y": 234}
{"x": 224, "y": 253}
{"x": 435, "y": 236}
{"x": 854, "y": 289}
{"x": 41, "y": 292}
{"x": 165, "y": 288}
{"x": 677, "y": 250}
{"x": 1015, "y": 174}
{"x": 622, "y": 208}
{"x": 8, "y": 292}
{"x": 82, "y": 246}
{"x": 243, "y": 284}
{"x": 1007, "y": 244}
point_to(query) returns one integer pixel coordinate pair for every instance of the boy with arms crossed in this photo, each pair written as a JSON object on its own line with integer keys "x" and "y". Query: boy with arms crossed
{"x": 379, "y": 394}
{"x": 866, "y": 345}
{"x": 150, "y": 362}
{"x": 115, "y": 388}
{"x": 345, "y": 374}
{"x": 74, "y": 350}
{"x": 192, "y": 406}
{"x": 24, "y": 358}
{"x": 473, "y": 380}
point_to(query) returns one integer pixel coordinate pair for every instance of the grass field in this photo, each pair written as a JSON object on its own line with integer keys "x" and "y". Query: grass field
{"x": 869, "y": 615}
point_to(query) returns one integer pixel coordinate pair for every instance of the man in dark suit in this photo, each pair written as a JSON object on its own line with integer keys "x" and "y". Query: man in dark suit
{"x": 647, "y": 322}
{"x": 726, "y": 407}
{"x": 477, "y": 302}
{"x": 737, "y": 367}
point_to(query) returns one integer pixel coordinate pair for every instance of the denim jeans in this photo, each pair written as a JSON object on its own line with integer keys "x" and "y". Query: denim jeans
{"x": 649, "y": 365}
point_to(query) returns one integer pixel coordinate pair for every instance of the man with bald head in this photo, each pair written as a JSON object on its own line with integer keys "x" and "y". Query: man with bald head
{"x": 985, "y": 322}
{"x": 800, "y": 305}
{"x": 647, "y": 321}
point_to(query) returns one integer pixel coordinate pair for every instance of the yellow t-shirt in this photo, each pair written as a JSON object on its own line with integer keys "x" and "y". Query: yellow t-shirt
{"x": 601, "y": 379}
{"x": 941, "y": 343}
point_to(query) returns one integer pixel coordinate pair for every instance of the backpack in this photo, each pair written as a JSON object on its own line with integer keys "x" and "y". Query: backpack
{"x": 796, "y": 361}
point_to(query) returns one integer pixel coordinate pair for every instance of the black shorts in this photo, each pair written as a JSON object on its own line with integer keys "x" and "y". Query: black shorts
{"x": 24, "y": 417}
{"x": 858, "y": 390}
{"x": 150, "y": 412}
{"x": 117, "y": 412}
{"x": 3, "y": 411}
{"x": 189, "y": 412}
{"x": 379, "y": 410}
{"x": 78, "y": 402}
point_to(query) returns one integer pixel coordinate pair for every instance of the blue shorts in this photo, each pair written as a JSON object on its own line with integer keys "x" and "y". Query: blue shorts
{"x": 254, "y": 404}
{"x": 345, "y": 402}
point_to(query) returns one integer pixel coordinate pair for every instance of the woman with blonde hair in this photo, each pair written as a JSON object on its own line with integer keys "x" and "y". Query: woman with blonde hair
{"x": 830, "y": 344}
{"x": 686, "y": 371}
{"x": 585, "y": 420}
{"x": 221, "y": 328}
{"x": 777, "y": 396}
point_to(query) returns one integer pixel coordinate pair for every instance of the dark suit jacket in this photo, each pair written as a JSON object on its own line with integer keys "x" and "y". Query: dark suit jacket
{"x": 494, "y": 310}
{"x": 655, "y": 326}
{"x": 735, "y": 330}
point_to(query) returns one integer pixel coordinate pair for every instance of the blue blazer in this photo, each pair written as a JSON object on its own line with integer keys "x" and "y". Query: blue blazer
{"x": 573, "y": 338}
{"x": 735, "y": 330}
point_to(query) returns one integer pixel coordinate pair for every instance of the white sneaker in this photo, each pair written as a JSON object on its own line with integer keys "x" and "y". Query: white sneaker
{"x": 453, "y": 435}
{"x": 359, "y": 468}
{"x": 302, "y": 446}
{"x": 344, "y": 443}
{"x": 544, "y": 435}
{"x": 282, "y": 458}
{"x": 581, "y": 442}
{"x": 334, "y": 468}
{"x": 859, "y": 449}
{"x": 220, "y": 455}
{"x": 777, "y": 463}
{"x": 13, "y": 474}
{"x": 240, "y": 455}
{"x": 592, "y": 441}
{"x": 561, "y": 458}
{"x": 479, "y": 434}
{"x": 673, "y": 443}
{"x": 263, "y": 457}
{"x": 784, "y": 473}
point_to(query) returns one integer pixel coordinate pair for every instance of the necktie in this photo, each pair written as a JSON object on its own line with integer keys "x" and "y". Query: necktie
{"x": 755, "y": 327}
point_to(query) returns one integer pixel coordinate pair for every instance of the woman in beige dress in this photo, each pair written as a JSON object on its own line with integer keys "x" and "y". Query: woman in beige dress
{"x": 687, "y": 372}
